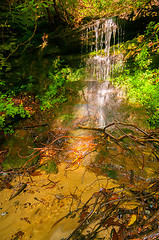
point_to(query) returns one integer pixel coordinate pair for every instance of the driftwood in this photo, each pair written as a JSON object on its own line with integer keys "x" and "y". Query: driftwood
{"x": 147, "y": 137}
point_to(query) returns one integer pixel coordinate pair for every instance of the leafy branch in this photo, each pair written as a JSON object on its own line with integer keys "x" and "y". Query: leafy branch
{"x": 22, "y": 43}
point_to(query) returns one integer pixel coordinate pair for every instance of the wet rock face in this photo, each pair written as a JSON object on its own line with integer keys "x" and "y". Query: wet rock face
{"x": 102, "y": 102}
{"x": 66, "y": 40}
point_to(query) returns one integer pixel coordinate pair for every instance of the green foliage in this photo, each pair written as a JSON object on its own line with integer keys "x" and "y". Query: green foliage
{"x": 50, "y": 167}
{"x": 152, "y": 31}
{"x": 8, "y": 111}
{"x": 74, "y": 11}
{"x": 10, "y": 108}
{"x": 32, "y": 9}
{"x": 55, "y": 92}
{"x": 142, "y": 87}
{"x": 142, "y": 61}
{"x": 140, "y": 77}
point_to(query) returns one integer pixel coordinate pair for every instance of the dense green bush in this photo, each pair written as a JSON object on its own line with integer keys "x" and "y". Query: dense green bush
{"x": 140, "y": 76}
{"x": 51, "y": 93}
{"x": 56, "y": 91}
{"x": 8, "y": 111}
{"x": 11, "y": 104}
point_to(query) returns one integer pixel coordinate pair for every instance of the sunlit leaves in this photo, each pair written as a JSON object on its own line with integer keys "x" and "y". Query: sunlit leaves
{"x": 55, "y": 92}
{"x": 9, "y": 110}
{"x": 142, "y": 59}
{"x": 74, "y": 11}
{"x": 140, "y": 77}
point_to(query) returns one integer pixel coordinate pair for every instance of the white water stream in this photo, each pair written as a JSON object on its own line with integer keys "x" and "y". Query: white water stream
{"x": 101, "y": 97}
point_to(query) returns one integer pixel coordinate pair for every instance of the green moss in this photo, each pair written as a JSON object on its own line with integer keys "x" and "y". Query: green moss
{"x": 110, "y": 172}
{"x": 21, "y": 151}
{"x": 50, "y": 167}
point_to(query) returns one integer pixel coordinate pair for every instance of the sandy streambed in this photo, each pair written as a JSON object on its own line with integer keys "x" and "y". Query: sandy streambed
{"x": 45, "y": 200}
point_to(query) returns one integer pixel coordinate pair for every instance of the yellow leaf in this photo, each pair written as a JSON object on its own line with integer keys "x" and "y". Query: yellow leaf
{"x": 108, "y": 138}
{"x": 132, "y": 219}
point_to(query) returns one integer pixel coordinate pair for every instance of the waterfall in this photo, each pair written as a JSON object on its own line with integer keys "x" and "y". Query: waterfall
{"x": 97, "y": 37}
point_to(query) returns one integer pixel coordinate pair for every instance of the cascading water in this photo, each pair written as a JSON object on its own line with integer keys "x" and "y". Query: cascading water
{"x": 100, "y": 61}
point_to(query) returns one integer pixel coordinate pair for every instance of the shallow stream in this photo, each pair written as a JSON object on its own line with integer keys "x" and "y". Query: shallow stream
{"x": 36, "y": 212}
{"x": 49, "y": 197}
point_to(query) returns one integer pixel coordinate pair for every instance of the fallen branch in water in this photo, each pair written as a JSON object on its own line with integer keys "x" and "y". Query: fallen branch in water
{"x": 104, "y": 209}
{"x": 148, "y": 137}
{"x": 116, "y": 133}
{"x": 107, "y": 207}
{"x": 18, "y": 191}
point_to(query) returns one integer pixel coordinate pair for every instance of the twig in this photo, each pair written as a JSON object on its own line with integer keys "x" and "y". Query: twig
{"x": 72, "y": 198}
{"x": 151, "y": 235}
{"x": 19, "y": 191}
{"x": 85, "y": 219}
{"x": 153, "y": 218}
{"x": 23, "y": 42}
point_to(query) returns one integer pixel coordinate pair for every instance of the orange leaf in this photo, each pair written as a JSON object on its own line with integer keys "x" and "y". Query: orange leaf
{"x": 51, "y": 186}
{"x": 114, "y": 196}
{"x": 36, "y": 173}
{"x": 8, "y": 185}
{"x": 83, "y": 215}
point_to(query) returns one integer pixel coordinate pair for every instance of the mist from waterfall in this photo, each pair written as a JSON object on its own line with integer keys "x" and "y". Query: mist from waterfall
{"x": 100, "y": 61}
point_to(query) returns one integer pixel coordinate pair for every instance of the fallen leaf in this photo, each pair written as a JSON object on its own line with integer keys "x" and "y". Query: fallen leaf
{"x": 115, "y": 235}
{"x": 26, "y": 219}
{"x": 8, "y": 185}
{"x": 132, "y": 219}
{"x": 18, "y": 235}
{"x": 36, "y": 173}
{"x": 51, "y": 186}
{"x": 114, "y": 196}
